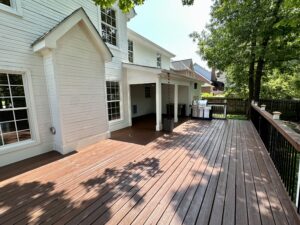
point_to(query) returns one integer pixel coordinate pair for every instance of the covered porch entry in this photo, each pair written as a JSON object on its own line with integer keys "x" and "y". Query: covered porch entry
{"x": 153, "y": 94}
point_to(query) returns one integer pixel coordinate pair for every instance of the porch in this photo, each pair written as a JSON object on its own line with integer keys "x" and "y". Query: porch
{"x": 206, "y": 172}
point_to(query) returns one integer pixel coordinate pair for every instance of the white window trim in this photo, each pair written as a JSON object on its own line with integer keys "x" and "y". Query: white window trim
{"x": 130, "y": 51}
{"x": 117, "y": 46}
{"x": 32, "y": 116}
{"x": 121, "y": 102}
{"x": 15, "y": 9}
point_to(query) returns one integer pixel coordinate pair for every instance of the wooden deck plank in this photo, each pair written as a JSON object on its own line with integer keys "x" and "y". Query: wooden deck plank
{"x": 241, "y": 200}
{"x": 201, "y": 179}
{"x": 160, "y": 202}
{"x": 229, "y": 206}
{"x": 251, "y": 196}
{"x": 159, "y": 180}
{"x": 206, "y": 172}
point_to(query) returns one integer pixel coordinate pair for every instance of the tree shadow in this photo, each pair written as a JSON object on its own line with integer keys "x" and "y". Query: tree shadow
{"x": 45, "y": 203}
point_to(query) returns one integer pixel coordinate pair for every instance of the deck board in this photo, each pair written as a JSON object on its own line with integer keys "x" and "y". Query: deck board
{"x": 206, "y": 172}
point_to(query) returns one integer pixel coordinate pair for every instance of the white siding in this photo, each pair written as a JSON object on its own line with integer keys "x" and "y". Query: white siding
{"x": 144, "y": 55}
{"x": 16, "y": 36}
{"x": 81, "y": 83}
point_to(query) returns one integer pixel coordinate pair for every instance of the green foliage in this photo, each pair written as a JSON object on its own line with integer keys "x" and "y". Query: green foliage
{"x": 254, "y": 31}
{"x": 127, "y": 5}
{"x": 206, "y": 95}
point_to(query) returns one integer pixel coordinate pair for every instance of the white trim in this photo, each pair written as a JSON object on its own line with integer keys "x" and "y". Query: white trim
{"x": 32, "y": 116}
{"x": 15, "y": 8}
{"x": 121, "y": 101}
{"x": 79, "y": 17}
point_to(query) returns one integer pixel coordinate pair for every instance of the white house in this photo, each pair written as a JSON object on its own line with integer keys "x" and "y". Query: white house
{"x": 70, "y": 73}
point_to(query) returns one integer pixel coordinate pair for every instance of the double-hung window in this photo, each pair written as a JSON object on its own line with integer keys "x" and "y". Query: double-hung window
{"x": 113, "y": 100}
{"x": 14, "y": 120}
{"x": 109, "y": 26}
{"x": 158, "y": 60}
{"x": 130, "y": 51}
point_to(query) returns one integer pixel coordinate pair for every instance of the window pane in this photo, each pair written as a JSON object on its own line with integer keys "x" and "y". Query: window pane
{"x": 21, "y": 114}
{"x": 5, "y": 2}
{"x": 6, "y": 116}
{"x": 15, "y": 79}
{"x": 3, "y": 79}
{"x": 4, "y": 91}
{"x": 22, "y": 125}
{"x": 17, "y": 91}
{"x": 1, "y": 143}
{"x": 24, "y": 135}
{"x": 8, "y": 127}
{"x": 10, "y": 138}
{"x": 5, "y": 103}
{"x": 19, "y": 102}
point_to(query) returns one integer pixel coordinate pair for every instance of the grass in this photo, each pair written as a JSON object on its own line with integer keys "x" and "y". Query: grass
{"x": 236, "y": 117}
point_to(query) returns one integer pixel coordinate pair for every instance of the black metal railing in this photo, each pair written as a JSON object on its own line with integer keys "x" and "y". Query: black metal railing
{"x": 282, "y": 148}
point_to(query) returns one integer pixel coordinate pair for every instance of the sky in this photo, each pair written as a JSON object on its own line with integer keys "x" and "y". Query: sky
{"x": 168, "y": 23}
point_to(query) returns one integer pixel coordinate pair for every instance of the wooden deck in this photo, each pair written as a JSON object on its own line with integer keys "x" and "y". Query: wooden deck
{"x": 207, "y": 172}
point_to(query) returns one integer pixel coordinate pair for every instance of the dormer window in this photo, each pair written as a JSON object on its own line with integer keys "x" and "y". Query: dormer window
{"x": 109, "y": 26}
{"x": 130, "y": 51}
{"x": 158, "y": 60}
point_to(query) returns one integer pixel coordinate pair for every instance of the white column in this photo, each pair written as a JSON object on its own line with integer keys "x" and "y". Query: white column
{"x": 175, "y": 103}
{"x": 190, "y": 99}
{"x": 158, "y": 105}
{"x": 54, "y": 100}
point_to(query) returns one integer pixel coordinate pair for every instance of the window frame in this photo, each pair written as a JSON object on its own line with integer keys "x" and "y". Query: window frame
{"x": 109, "y": 26}
{"x": 158, "y": 60}
{"x": 15, "y": 7}
{"x": 119, "y": 100}
{"x": 31, "y": 113}
{"x": 130, "y": 51}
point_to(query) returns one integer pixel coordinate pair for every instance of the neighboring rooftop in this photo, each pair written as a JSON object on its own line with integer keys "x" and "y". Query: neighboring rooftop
{"x": 202, "y": 71}
{"x": 186, "y": 64}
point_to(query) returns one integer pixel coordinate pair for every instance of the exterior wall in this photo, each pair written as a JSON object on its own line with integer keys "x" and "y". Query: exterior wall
{"x": 144, "y": 105}
{"x": 144, "y": 55}
{"x": 196, "y": 93}
{"x": 18, "y": 32}
{"x": 206, "y": 89}
{"x": 81, "y": 84}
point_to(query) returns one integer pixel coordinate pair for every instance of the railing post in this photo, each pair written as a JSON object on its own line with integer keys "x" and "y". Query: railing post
{"x": 298, "y": 189}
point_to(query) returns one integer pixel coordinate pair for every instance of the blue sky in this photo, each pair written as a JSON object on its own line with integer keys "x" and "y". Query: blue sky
{"x": 168, "y": 23}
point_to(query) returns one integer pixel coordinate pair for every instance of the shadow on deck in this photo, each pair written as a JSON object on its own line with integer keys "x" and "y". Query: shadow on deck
{"x": 207, "y": 172}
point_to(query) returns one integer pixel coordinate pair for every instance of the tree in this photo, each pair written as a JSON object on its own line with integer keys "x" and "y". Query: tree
{"x": 250, "y": 39}
{"x": 127, "y": 5}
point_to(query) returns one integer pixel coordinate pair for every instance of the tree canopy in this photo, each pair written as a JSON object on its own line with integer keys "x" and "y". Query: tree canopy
{"x": 254, "y": 41}
{"x": 127, "y": 5}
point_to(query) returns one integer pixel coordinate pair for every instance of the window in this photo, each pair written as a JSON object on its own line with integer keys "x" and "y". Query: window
{"x": 14, "y": 121}
{"x": 195, "y": 86}
{"x": 130, "y": 51}
{"x": 113, "y": 100}
{"x": 6, "y": 2}
{"x": 147, "y": 92}
{"x": 109, "y": 26}
{"x": 11, "y": 6}
{"x": 158, "y": 60}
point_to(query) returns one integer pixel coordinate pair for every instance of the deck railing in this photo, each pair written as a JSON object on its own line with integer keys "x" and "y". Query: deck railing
{"x": 289, "y": 108}
{"x": 283, "y": 146}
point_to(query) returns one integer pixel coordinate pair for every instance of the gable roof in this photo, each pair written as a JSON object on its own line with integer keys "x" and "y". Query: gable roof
{"x": 48, "y": 40}
{"x": 202, "y": 71}
{"x": 186, "y": 64}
